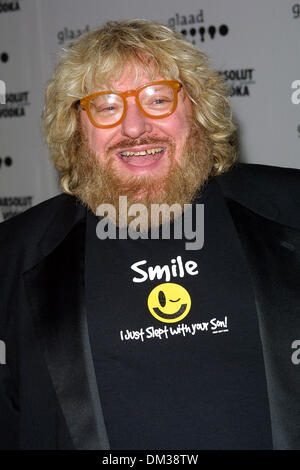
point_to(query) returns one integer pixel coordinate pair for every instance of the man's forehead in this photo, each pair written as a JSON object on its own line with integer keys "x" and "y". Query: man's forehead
{"x": 131, "y": 77}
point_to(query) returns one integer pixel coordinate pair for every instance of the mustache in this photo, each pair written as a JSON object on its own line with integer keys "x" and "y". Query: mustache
{"x": 141, "y": 141}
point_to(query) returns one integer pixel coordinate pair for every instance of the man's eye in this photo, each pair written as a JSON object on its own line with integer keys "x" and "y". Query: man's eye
{"x": 158, "y": 101}
{"x": 106, "y": 109}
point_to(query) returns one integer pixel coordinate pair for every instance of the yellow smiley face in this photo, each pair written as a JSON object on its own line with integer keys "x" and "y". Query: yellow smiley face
{"x": 169, "y": 302}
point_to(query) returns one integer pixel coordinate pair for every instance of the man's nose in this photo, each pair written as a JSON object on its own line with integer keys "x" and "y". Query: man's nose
{"x": 135, "y": 123}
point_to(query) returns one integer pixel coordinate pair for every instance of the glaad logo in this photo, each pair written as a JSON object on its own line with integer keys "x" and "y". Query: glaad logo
{"x": 295, "y": 97}
{"x": 188, "y": 25}
{"x": 183, "y": 20}
{"x": 159, "y": 222}
{"x": 2, "y": 352}
{"x": 296, "y": 354}
{"x": 2, "y": 92}
{"x": 6, "y": 7}
{"x": 67, "y": 34}
{"x": 296, "y": 10}
{"x": 240, "y": 80}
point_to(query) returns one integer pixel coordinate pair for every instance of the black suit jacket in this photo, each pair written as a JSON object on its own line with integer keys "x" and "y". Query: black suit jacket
{"x": 48, "y": 392}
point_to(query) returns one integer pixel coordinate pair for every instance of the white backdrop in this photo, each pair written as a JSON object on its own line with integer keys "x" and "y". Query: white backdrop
{"x": 255, "y": 44}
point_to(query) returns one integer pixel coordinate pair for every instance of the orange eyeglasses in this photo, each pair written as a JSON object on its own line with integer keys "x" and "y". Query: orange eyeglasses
{"x": 155, "y": 100}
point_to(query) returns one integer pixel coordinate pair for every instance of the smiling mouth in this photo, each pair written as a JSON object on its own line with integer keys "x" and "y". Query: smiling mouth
{"x": 172, "y": 315}
{"x": 142, "y": 157}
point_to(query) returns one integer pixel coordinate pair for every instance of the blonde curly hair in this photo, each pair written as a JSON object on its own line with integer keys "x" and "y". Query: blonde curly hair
{"x": 98, "y": 57}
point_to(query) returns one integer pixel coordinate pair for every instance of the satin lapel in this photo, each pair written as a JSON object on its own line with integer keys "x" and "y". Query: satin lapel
{"x": 273, "y": 253}
{"x": 55, "y": 289}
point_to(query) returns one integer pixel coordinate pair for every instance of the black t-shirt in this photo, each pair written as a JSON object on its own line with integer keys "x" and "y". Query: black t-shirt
{"x": 175, "y": 340}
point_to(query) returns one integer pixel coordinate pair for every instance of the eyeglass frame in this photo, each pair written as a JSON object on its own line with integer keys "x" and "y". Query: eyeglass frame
{"x": 85, "y": 102}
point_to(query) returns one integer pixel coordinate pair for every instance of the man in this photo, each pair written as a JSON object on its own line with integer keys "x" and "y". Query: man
{"x": 136, "y": 342}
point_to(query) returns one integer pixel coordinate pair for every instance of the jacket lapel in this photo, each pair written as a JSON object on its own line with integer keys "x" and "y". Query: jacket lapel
{"x": 273, "y": 252}
{"x": 55, "y": 290}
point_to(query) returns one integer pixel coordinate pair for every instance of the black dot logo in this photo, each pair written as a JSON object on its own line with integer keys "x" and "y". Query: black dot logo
{"x": 223, "y": 30}
{"x": 298, "y": 129}
{"x": 202, "y": 32}
{"x": 4, "y": 57}
{"x": 211, "y": 32}
{"x": 7, "y": 161}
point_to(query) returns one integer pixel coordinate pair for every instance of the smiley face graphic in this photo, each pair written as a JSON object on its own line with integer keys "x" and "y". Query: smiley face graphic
{"x": 169, "y": 302}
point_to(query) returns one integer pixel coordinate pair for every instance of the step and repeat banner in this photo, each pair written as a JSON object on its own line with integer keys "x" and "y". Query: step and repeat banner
{"x": 255, "y": 45}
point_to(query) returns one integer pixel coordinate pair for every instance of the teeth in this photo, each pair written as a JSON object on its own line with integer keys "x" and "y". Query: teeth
{"x": 142, "y": 152}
